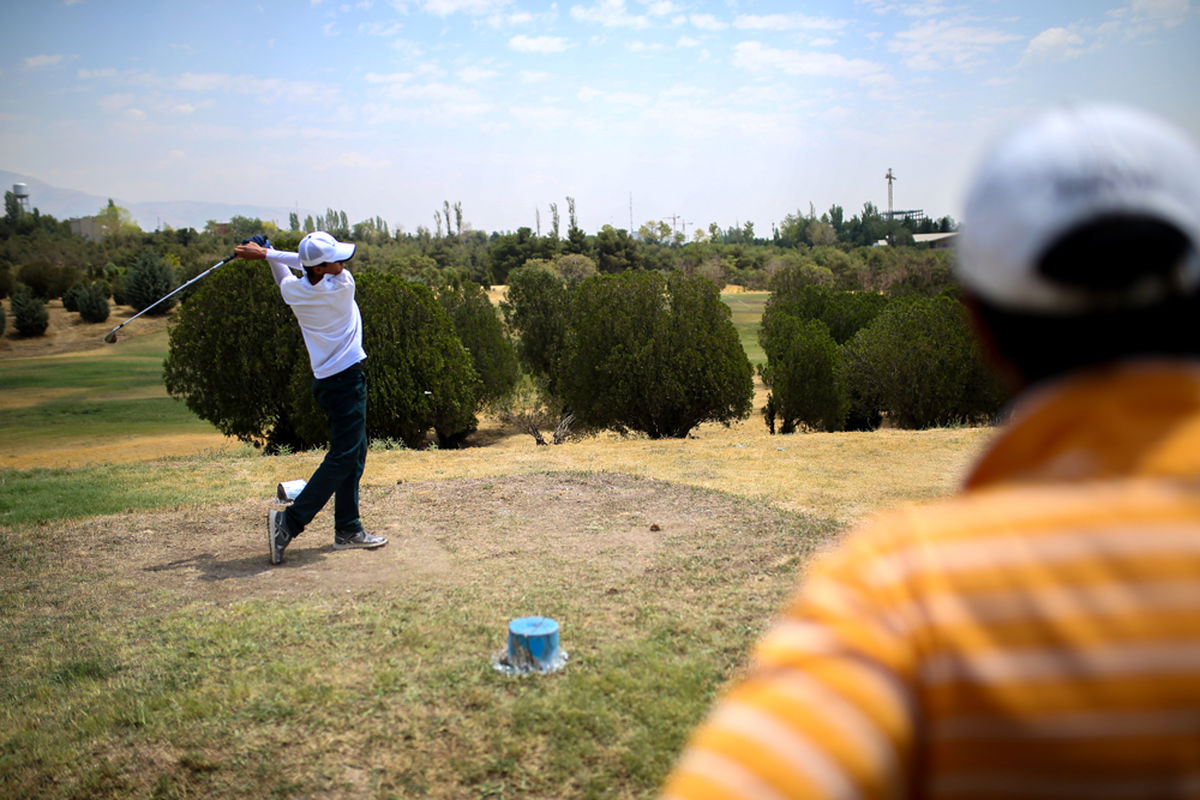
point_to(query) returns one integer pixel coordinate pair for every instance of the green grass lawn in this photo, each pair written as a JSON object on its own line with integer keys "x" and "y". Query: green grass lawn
{"x": 747, "y": 308}
{"x": 113, "y": 690}
{"x": 116, "y": 393}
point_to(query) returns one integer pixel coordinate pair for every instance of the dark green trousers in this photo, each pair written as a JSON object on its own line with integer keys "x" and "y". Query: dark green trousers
{"x": 344, "y": 398}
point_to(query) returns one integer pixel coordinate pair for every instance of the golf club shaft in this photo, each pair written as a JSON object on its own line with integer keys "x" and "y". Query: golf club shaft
{"x": 226, "y": 260}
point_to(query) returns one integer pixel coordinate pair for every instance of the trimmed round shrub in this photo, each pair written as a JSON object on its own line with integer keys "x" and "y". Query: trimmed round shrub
{"x": 30, "y": 317}
{"x": 92, "y": 302}
{"x": 70, "y": 298}
{"x": 237, "y": 358}
{"x": 147, "y": 281}
{"x": 412, "y": 349}
{"x": 653, "y": 354}
{"x": 919, "y": 364}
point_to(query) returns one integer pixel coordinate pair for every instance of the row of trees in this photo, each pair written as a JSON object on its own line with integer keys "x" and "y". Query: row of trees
{"x": 606, "y": 331}
{"x": 453, "y": 251}
{"x": 638, "y": 351}
{"x": 840, "y": 360}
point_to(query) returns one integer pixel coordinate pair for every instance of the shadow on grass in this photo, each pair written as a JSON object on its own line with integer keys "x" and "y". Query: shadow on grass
{"x": 213, "y": 569}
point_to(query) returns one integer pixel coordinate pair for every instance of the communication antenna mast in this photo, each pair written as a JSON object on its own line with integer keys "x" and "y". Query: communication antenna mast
{"x": 890, "y": 178}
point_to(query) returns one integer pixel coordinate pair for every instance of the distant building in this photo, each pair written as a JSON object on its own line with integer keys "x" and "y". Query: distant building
{"x": 86, "y": 227}
{"x": 935, "y": 241}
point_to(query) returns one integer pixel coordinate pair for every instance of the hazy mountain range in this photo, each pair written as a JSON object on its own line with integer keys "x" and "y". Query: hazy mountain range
{"x": 66, "y": 203}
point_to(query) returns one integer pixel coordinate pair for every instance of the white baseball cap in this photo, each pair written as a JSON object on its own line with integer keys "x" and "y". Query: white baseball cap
{"x": 1059, "y": 172}
{"x": 320, "y": 248}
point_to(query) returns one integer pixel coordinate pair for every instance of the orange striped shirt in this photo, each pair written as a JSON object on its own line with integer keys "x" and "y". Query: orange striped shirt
{"x": 1037, "y": 636}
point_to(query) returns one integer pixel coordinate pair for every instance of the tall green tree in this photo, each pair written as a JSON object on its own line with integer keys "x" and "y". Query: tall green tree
{"x": 477, "y": 324}
{"x": 149, "y": 280}
{"x": 804, "y": 373}
{"x": 536, "y": 310}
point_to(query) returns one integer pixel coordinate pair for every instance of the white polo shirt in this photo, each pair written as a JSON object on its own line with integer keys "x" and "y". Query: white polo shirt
{"x": 328, "y": 315}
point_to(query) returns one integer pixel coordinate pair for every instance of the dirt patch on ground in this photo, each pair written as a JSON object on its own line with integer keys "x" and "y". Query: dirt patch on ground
{"x": 586, "y": 528}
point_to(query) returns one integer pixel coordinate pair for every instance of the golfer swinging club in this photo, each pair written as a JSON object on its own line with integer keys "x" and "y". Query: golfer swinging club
{"x": 323, "y": 302}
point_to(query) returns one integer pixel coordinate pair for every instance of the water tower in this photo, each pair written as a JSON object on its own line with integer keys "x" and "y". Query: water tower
{"x": 21, "y": 192}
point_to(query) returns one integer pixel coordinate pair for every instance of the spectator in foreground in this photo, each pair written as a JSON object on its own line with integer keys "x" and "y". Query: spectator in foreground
{"x": 1038, "y": 635}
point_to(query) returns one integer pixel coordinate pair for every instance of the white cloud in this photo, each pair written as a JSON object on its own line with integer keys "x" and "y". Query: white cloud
{"x": 352, "y": 161}
{"x": 41, "y": 61}
{"x": 538, "y": 44}
{"x": 522, "y": 18}
{"x": 88, "y": 74}
{"x": 476, "y": 74}
{"x": 610, "y": 14}
{"x": 663, "y": 8}
{"x": 757, "y": 57}
{"x": 687, "y": 41}
{"x": 787, "y": 22}
{"x": 707, "y": 22}
{"x": 588, "y": 95}
{"x": 1054, "y": 44}
{"x": 184, "y": 108}
{"x": 1167, "y": 13}
{"x": 116, "y": 102}
{"x": 644, "y": 47}
{"x": 540, "y": 117}
{"x": 1145, "y": 16}
{"x": 380, "y": 28}
{"x": 942, "y": 43}
{"x": 532, "y": 76}
{"x": 444, "y": 8}
{"x": 224, "y": 83}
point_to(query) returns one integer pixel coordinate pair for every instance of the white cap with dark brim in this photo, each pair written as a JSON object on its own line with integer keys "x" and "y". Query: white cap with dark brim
{"x": 1059, "y": 172}
{"x": 320, "y": 248}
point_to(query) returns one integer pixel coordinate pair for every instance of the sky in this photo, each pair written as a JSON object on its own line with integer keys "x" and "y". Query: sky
{"x": 730, "y": 112}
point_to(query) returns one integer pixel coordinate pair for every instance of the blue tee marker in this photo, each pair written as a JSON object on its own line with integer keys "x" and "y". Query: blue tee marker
{"x": 533, "y": 646}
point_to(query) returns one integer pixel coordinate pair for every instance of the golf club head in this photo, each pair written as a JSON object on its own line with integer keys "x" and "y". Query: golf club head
{"x": 111, "y": 337}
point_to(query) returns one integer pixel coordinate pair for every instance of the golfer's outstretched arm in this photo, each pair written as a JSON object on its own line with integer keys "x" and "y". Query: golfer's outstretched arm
{"x": 281, "y": 262}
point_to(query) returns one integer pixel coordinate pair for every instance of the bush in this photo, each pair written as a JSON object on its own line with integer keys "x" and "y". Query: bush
{"x": 7, "y": 282}
{"x": 478, "y": 327}
{"x": 804, "y": 373}
{"x": 3, "y": 321}
{"x": 844, "y": 313}
{"x": 147, "y": 281}
{"x": 918, "y": 363}
{"x": 654, "y": 355}
{"x": 70, "y": 298}
{"x": 536, "y": 309}
{"x": 92, "y": 302}
{"x": 412, "y": 349}
{"x": 232, "y": 362}
{"x": 47, "y": 281}
{"x": 243, "y": 366}
{"x": 30, "y": 317}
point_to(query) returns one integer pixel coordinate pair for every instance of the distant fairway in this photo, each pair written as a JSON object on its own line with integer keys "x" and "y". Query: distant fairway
{"x": 747, "y": 308}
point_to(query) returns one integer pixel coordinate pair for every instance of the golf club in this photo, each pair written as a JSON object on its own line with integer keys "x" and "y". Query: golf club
{"x": 112, "y": 335}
